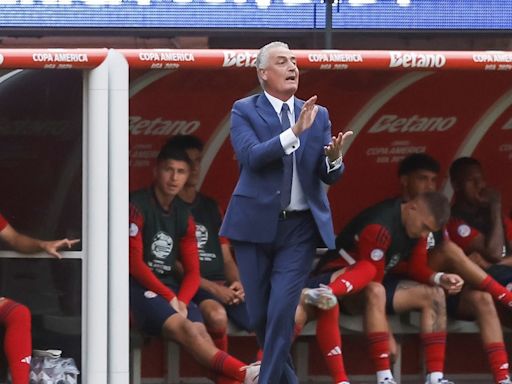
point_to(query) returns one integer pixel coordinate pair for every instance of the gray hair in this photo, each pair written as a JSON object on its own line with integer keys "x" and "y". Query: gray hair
{"x": 262, "y": 57}
{"x": 438, "y": 205}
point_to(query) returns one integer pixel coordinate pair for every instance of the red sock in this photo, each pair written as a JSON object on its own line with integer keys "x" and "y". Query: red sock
{"x": 228, "y": 366}
{"x": 498, "y": 360}
{"x": 259, "y": 355}
{"x": 497, "y": 291}
{"x": 220, "y": 338}
{"x": 378, "y": 344}
{"x": 329, "y": 340}
{"x": 434, "y": 346}
{"x": 18, "y": 339}
{"x": 355, "y": 278}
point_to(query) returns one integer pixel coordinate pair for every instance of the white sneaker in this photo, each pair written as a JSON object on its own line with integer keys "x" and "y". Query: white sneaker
{"x": 343, "y": 382}
{"x": 439, "y": 381}
{"x": 387, "y": 380}
{"x": 506, "y": 381}
{"x": 321, "y": 297}
{"x": 252, "y": 373}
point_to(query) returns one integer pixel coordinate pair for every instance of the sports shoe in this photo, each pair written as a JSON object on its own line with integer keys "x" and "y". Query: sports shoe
{"x": 439, "y": 381}
{"x": 506, "y": 381}
{"x": 321, "y": 297}
{"x": 387, "y": 380}
{"x": 343, "y": 382}
{"x": 252, "y": 373}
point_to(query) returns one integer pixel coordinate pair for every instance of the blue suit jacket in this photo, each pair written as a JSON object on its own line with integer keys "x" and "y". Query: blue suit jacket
{"x": 253, "y": 211}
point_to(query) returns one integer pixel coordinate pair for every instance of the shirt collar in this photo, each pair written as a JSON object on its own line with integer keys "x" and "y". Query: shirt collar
{"x": 277, "y": 104}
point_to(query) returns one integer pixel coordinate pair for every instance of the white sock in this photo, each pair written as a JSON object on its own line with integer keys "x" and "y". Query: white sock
{"x": 434, "y": 377}
{"x": 386, "y": 374}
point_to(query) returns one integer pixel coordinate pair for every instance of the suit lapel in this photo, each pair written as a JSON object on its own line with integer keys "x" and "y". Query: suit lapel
{"x": 304, "y": 137}
{"x": 269, "y": 115}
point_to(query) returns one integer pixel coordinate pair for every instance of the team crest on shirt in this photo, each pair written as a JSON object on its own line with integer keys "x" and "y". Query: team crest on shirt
{"x": 162, "y": 245}
{"x": 150, "y": 294}
{"x": 201, "y": 235}
{"x": 463, "y": 230}
{"x": 377, "y": 254}
{"x": 133, "y": 230}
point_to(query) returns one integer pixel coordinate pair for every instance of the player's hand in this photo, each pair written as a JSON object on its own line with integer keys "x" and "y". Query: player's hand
{"x": 451, "y": 283}
{"x": 238, "y": 288}
{"x": 226, "y": 295}
{"x": 51, "y": 247}
{"x": 490, "y": 197}
{"x": 179, "y": 306}
{"x": 333, "y": 150}
{"x": 306, "y": 117}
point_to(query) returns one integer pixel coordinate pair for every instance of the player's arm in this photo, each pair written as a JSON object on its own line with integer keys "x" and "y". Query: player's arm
{"x": 230, "y": 268}
{"x": 139, "y": 270}
{"x": 419, "y": 270}
{"x": 473, "y": 241}
{"x": 232, "y": 273}
{"x": 494, "y": 241}
{"x": 25, "y": 244}
{"x": 190, "y": 261}
{"x": 417, "y": 266}
{"x": 223, "y": 293}
{"x": 366, "y": 261}
{"x": 372, "y": 245}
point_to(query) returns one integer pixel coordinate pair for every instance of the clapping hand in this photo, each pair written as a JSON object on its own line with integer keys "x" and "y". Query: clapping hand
{"x": 333, "y": 150}
{"x": 306, "y": 117}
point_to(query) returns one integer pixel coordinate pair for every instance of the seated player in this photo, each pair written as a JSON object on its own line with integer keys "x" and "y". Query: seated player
{"x": 371, "y": 245}
{"x": 478, "y": 224}
{"x": 480, "y": 228}
{"x": 418, "y": 174}
{"x": 15, "y": 317}
{"x": 162, "y": 232}
{"x": 220, "y": 295}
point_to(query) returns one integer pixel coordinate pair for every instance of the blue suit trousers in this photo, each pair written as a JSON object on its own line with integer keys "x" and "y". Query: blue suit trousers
{"x": 273, "y": 276}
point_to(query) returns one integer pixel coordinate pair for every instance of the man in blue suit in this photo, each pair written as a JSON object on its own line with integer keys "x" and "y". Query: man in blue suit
{"x": 279, "y": 209}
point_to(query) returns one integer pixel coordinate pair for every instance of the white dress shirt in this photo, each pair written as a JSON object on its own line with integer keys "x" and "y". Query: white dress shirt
{"x": 290, "y": 143}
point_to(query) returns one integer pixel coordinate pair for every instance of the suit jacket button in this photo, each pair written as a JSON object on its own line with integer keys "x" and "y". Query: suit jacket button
{"x": 278, "y": 192}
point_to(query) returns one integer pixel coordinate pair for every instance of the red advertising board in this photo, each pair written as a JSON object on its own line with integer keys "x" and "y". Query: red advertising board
{"x": 392, "y": 113}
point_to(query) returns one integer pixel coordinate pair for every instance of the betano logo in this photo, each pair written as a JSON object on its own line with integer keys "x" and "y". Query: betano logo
{"x": 416, "y": 60}
{"x": 239, "y": 59}
{"x": 161, "y": 127}
{"x": 415, "y": 123}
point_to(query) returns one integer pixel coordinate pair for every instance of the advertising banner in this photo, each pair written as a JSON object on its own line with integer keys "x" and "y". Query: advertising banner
{"x": 393, "y": 114}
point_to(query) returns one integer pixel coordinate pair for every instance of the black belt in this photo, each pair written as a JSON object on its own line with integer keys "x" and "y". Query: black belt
{"x": 287, "y": 215}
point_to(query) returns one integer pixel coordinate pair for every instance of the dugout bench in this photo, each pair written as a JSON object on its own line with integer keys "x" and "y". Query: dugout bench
{"x": 401, "y": 325}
